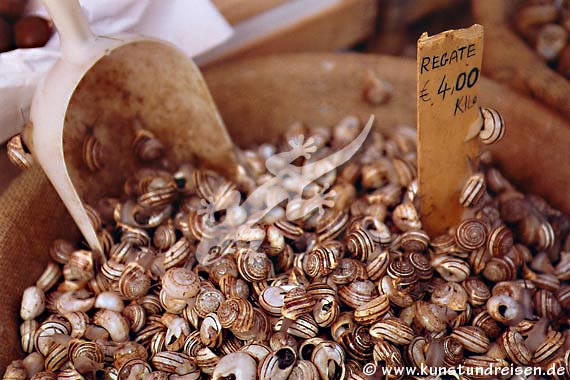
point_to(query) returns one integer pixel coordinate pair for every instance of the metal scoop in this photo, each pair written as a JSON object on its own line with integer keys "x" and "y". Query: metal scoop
{"x": 102, "y": 94}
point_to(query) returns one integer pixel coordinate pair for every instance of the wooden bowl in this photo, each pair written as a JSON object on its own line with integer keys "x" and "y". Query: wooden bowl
{"x": 258, "y": 99}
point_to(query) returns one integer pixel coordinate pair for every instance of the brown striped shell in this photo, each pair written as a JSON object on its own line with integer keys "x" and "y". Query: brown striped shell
{"x": 500, "y": 241}
{"x": 236, "y": 314}
{"x": 493, "y": 128}
{"x": 472, "y": 338}
{"x": 393, "y": 330}
{"x": 473, "y": 191}
{"x": 471, "y": 234}
{"x": 296, "y": 303}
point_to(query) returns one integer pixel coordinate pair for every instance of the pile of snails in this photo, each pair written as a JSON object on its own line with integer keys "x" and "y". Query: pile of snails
{"x": 319, "y": 297}
{"x": 545, "y": 25}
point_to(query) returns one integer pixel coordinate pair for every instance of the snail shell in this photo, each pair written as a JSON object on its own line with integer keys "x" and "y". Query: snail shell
{"x": 331, "y": 224}
{"x": 61, "y": 250}
{"x": 504, "y": 309}
{"x": 27, "y": 331}
{"x": 450, "y": 294}
{"x": 84, "y": 354}
{"x": 253, "y": 266}
{"x": 514, "y": 346}
{"x": 500, "y": 269}
{"x": 473, "y": 191}
{"x": 348, "y": 270}
{"x": 548, "y": 348}
{"x": 472, "y": 338}
{"x": 451, "y": 268}
{"x": 378, "y": 267}
{"x": 546, "y": 305}
{"x": 386, "y": 354}
{"x": 393, "y": 330}
{"x": 236, "y": 314}
{"x": 211, "y": 331}
{"x": 180, "y": 283}
{"x": 18, "y": 153}
{"x": 322, "y": 260}
{"x": 135, "y": 315}
{"x": 493, "y": 128}
{"x": 177, "y": 254}
{"x": 56, "y": 357}
{"x": 357, "y": 293}
{"x": 422, "y": 266}
{"x": 406, "y": 218}
{"x": 304, "y": 370}
{"x": 278, "y": 365}
{"x": 357, "y": 343}
{"x": 414, "y": 241}
{"x": 372, "y": 311}
{"x": 134, "y": 282}
{"x": 471, "y": 234}
{"x": 296, "y": 303}
{"x": 477, "y": 291}
{"x": 326, "y": 311}
{"x": 359, "y": 243}
{"x": 240, "y": 365}
{"x": 485, "y": 322}
{"x": 146, "y": 146}
{"x": 172, "y": 362}
{"x": 33, "y": 303}
{"x": 500, "y": 241}
{"x": 329, "y": 358}
{"x": 208, "y": 301}
{"x": 304, "y": 327}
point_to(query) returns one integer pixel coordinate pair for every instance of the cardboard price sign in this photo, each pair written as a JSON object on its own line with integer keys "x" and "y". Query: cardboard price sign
{"x": 449, "y": 71}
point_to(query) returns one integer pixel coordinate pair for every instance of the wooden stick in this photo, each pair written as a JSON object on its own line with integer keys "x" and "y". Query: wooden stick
{"x": 449, "y": 70}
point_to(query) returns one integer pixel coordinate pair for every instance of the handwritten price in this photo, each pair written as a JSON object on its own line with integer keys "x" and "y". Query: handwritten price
{"x": 463, "y": 80}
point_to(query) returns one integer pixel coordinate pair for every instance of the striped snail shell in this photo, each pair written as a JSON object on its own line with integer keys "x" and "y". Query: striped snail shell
{"x": 322, "y": 260}
{"x": 180, "y": 283}
{"x": 304, "y": 370}
{"x": 18, "y": 153}
{"x": 372, "y": 311}
{"x": 452, "y": 352}
{"x": 493, "y": 128}
{"x": 146, "y": 146}
{"x": 478, "y": 259}
{"x": 377, "y": 268}
{"x": 134, "y": 281}
{"x": 451, "y": 295}
{"x": 83, "y": 352}
{"x": 233, "y": 287}
{"x": 471, "y": 234}
{"x": 357, "y": 343}
{"x": 331, "y": 224}
{"x": 236, "y": 314}
{"x": 500, "y": 241}
{"x": 253, "y": 265}
{"x": 296, "y": 303}
{"x": 500, "y": 269}
{"x": 477, "y": 291}
{"x": 92, "y": 153}
{"x": 546, "y": 305}
{"x": 414, "y": 241}
{"x": 178, "y": 253}
{"x": 347, "y": 271}
{"x": 421, "y": 264}
{"x": 359, "y": 243}
{"x": 513, "y": 344}
{"x": 548, "y": 348}
{"x": 304, "y": 327}
{"x": 472, "y": 338}
{"x": 326, "y": 311}
{"x": 357, "y": 293}
{"x": 226, "y": 265}
{"x": 208, "y": 301}
{"x": 402, "y": 273}
{"x": 165, "y": 236}
{"x": 473, "y": 191}
{"x": 61, "y": 250}
{"x": 393, "y": 330}
{"x": 485, "y": 322}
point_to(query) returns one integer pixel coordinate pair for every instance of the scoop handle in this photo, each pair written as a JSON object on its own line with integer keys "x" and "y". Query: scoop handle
{"x": 72, "y": 25}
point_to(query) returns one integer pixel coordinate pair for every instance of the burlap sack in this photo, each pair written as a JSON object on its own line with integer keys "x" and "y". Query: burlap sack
{"x": 258, "y": 100}
{"x": 31, "y": 217}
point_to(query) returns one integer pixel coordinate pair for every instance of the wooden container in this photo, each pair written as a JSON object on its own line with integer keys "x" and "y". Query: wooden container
{"x": 259, "y": 99}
